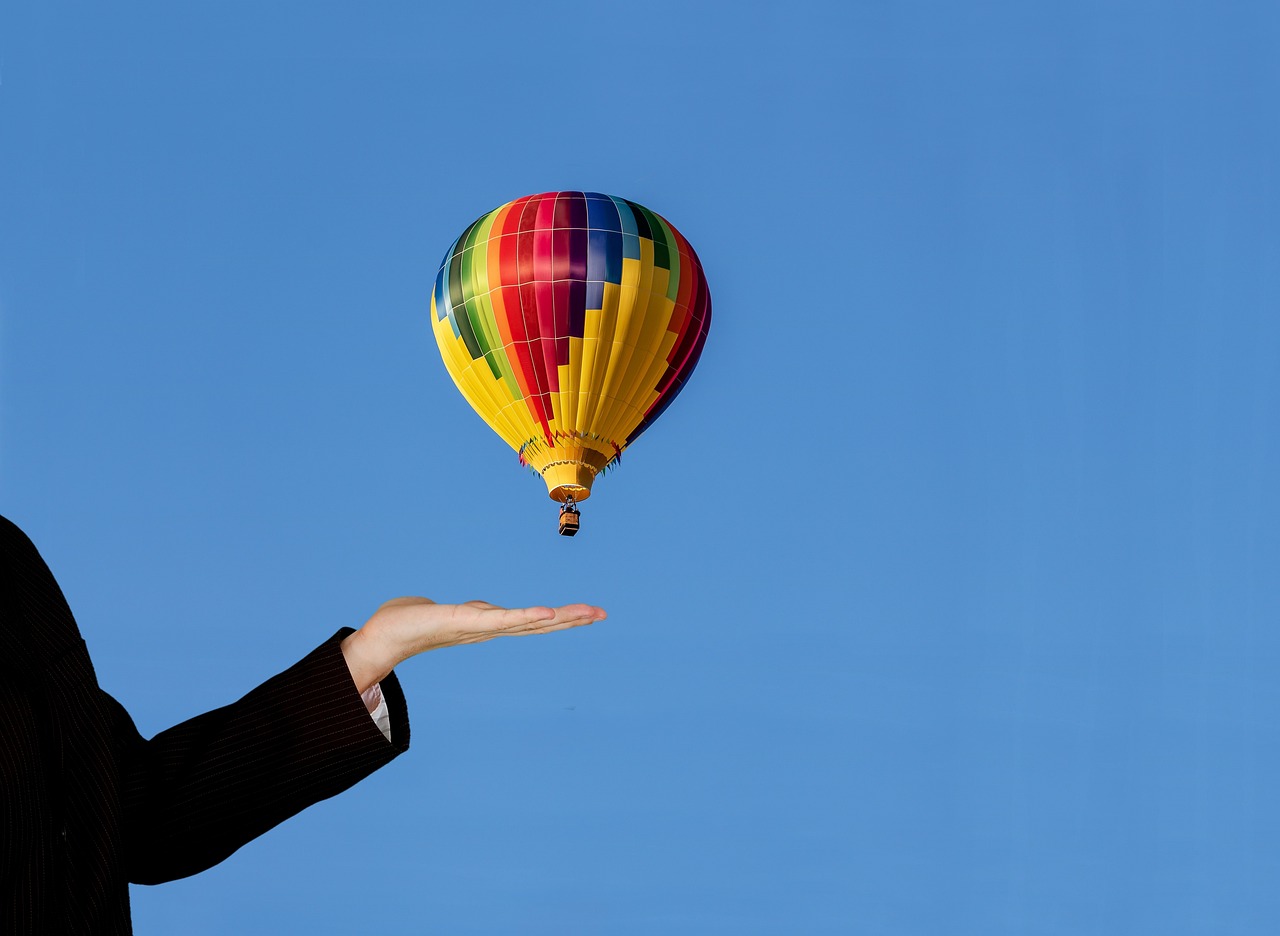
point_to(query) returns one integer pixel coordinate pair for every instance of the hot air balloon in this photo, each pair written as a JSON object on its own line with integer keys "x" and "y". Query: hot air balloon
{"x": 570, "y": 321}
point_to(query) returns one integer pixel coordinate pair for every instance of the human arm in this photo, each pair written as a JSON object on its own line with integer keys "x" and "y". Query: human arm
{"x": 195, "y": 793}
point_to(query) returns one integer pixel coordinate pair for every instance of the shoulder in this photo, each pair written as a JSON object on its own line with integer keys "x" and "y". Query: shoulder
{"x": 34, "y": 615}
{"x": 15, "y": 545}
{"x": 19, "y": 557}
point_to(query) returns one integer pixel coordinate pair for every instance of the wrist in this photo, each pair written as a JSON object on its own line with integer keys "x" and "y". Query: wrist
{"x": 366, "y": 658}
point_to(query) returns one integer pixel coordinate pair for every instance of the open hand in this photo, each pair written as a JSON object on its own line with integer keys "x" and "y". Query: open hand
{"x": 405, "y": 627}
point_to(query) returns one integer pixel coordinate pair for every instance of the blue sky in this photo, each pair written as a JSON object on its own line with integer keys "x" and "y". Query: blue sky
{"x": 941, "y": 601}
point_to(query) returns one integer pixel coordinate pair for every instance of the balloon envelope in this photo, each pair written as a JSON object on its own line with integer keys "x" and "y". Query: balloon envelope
{"x": 570, "y": 321}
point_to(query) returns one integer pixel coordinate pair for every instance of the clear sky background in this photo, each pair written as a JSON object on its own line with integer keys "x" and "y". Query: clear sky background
{"x": 944, "y": 600}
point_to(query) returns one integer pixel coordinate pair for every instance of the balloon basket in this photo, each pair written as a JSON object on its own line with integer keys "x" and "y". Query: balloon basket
{"x": 569, "y": 518}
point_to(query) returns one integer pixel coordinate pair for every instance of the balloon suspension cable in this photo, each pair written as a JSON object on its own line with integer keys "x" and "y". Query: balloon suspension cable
{"x": 569, "y": 517}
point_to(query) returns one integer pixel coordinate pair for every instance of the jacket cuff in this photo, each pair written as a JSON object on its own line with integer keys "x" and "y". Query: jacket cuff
{"x": 392, "y": 694}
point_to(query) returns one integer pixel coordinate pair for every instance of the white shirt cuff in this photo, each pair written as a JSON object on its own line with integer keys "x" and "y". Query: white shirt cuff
{"x": 376, "y": 705}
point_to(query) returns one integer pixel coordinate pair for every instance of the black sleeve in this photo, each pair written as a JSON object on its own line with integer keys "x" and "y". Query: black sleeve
{"x": 195, "y": 793}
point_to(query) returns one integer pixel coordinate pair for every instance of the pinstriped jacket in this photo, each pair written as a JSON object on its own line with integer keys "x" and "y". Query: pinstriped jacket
{"x": 88, "y": 805}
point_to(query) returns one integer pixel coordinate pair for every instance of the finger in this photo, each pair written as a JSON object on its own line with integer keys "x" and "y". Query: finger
{"x": 581, "y": 613}
{"x": 482, "y": 620}
{"x": 580, "y": 610}
{"x": 564, "y": 619}
{"x": 550, "y": 629}
{"x": 546, "y": 627}
{"x": 563, "y": 610}
{"x": 501, "y": 620}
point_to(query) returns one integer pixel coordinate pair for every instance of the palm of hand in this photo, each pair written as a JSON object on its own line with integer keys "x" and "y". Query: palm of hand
{"x": 416, "y": 624}
{"x": 405, "y": 627}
